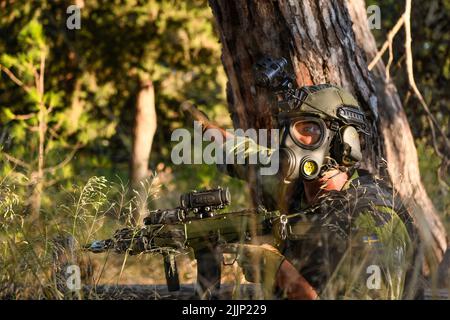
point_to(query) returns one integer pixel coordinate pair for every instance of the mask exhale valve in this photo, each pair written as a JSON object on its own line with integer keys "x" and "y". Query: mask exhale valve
{"x": 310, "y": 169}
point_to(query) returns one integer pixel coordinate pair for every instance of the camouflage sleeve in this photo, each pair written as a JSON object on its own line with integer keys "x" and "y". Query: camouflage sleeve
{"x": 375, "y": 260}
{"x": 242, "y": 154}
{"x": 246, "y": 160}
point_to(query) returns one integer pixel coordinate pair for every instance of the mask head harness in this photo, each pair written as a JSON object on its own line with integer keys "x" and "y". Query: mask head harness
{"x": 320, "y": 124}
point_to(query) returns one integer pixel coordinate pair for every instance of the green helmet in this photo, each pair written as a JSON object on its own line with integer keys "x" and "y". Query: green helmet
{"x": 322, "y": 124}
{"x": 329, "y": 102}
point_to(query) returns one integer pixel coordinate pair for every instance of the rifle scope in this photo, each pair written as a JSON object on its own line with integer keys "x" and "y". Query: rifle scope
{"x": 206, "y": 200}
{"x": 269, "y": 72}
{"x": 202, "y": 202}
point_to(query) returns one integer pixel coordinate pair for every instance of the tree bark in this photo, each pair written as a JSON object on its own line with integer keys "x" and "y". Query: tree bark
{"x": 143, "y": 132}
{"x": 316, "y": 37}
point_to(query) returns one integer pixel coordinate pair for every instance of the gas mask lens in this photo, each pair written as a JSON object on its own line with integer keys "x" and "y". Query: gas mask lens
{"x": 307, "y": 133}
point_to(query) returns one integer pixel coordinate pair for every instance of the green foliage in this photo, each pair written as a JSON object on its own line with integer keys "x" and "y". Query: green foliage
{"x": 93, "y": 75}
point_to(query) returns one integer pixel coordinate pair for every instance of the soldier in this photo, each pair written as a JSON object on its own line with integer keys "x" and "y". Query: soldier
{"x": 360, "y": 239}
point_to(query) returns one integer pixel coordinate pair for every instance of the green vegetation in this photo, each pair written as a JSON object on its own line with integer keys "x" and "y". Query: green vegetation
{"x": 57, "y": 138}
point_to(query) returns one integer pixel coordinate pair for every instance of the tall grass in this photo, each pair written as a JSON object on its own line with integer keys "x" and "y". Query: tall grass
{"x": 28, "y": 249}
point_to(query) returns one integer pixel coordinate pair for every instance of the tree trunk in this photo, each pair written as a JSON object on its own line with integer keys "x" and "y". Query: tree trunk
{"x": 143, "y": 133}
{"x": 316, "y": 37}
{"x": 38, "y": 174}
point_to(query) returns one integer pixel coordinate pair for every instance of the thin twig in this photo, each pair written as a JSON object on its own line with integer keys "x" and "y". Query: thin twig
{"x": 406, "y": 99}
{"x": 63, "y": 163}
{"x": 386, "y": 44}
{"x": 16, "y": 161}
{"x": 13, "y": 77}
{"x": 24, "y": 116}
{"x": 391, "y": 57}
{"x": 32, "y": 128}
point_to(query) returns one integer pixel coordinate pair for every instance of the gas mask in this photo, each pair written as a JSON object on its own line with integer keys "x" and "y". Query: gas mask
{"x": 305, "y": 142}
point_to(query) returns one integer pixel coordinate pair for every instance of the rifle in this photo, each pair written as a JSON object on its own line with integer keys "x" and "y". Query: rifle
{"x": 195, "y": 224}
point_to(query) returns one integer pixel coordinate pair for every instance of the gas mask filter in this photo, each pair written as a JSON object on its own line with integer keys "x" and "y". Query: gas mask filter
{"x": 305, "y": 142}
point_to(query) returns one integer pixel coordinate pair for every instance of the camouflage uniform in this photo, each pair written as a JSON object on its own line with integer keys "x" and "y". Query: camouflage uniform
{"x": 356, "y": 243}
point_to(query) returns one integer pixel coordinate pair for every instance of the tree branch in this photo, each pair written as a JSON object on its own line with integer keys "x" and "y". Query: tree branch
{"x": 24, "y": 116}
{"x": 388, "y": 42}
{"x": 63, "y": 163}
{"x": 13, "y": 77}
{"x": 16, "y": 161}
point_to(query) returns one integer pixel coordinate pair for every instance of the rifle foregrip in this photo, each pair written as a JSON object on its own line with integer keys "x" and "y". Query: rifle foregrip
{"x": 209, "y": 271}
{"x": 171, "y": 272}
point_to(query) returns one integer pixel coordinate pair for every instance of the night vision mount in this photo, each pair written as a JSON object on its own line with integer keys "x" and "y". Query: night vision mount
{"x": 271, "y": 74}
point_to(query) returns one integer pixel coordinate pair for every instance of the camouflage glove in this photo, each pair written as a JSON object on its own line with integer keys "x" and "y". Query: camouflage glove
{"x": 260, "y": 263}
